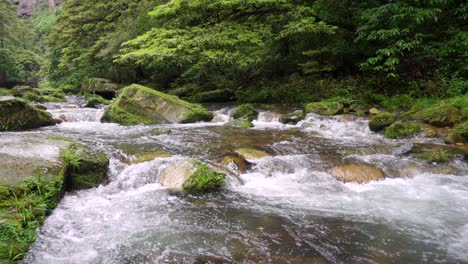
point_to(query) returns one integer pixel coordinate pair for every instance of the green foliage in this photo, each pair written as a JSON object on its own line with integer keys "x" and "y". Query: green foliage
{"x": 23, "y": 211}
{"x": 462, "y": 129}
{"x": 402, "y": 130}
{"x": 71, "y": 158}
{"x": 204, "y": 179}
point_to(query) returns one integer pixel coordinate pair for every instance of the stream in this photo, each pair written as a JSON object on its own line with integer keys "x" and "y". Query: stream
{"x": 286, "y": 208}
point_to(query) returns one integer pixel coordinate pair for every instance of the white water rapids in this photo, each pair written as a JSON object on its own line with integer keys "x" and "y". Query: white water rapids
{"x": 285, "y": 209}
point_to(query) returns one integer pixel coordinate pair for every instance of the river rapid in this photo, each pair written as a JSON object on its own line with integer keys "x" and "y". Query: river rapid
{"x": 286, "y": 208}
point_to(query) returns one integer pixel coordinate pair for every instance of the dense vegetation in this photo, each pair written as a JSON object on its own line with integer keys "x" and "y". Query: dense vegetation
{"x": 261, "y": 51}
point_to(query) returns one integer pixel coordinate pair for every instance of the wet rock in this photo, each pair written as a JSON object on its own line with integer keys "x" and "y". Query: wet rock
{"x": 381, "y": 121}
{"x": 174, "y": 176}
{"x": 402, "y": 130}
{"x": 357, "y": 173}
{"x": 91, "y": 170}
{"x": 251, "y": 154}
{"x": 430, "y": 132}
{"x": 324, "y": 108}
{"x": 245, "y": 112}
{"x": 94, "y": 101}
{"x": 17, "y": 114}
{"x": 459, "y": 135}
{"x": 292, "y": 118}
{"x": 103, "y": 87}
{"x": 439, "y": 115}
{"x": 403, "y": 149}
{"x": 138, "y": 104}
{"x": 148, "y": 156}
{"x": 236, "y": 162}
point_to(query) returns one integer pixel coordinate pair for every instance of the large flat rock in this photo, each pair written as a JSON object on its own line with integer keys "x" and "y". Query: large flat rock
{"x": 26, "y": 155}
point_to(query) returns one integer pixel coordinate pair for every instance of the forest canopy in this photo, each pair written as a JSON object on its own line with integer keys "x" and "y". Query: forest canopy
{"x": 261, "y": 50}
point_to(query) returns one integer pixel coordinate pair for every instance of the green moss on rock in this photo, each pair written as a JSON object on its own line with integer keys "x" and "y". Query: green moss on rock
{"x": 324, "y": 108}
{"x": 245, "y": 111}
{"x": 17, "y": 114}
{"x": 204, "y": 179}
{"x": 87, "y": 169}
{"x": 401, "y": 130}
{"x": 381, "y": 121}
{"x": 138, "y": 104}
{"x": 439, "y": 115}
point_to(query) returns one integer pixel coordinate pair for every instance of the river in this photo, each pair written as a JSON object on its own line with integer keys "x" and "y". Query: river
{"x": 285, "y": 209}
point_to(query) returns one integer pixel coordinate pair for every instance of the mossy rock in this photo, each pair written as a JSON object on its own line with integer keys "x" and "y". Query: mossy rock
{"x": 93, "y": 101}
{"x": 17, "y": 114}
{"x": 461, "y": 129}
{"x": 138, "y": 104}
{"x": 438, "y": 153}
{"x": 245, "y": 111}
{"x": 292, "y": 118}
{"x": 219, "y": 95}
{"x": 402, "y": 130}
{"x": 381, "y": 121}
{"x": 438, "y": 115}
{"x": 21, "y": 90}
{"x": 204, "y": 179}
{"x": 459, "y": 134}
{"x": 91, "y": 170}
{"x": 149, "y": 156}
{"x": 325, "y": 108}
{"x": 103, "y": 87}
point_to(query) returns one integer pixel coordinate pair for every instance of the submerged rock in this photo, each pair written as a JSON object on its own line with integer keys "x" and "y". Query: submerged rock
{"x": 236, "y": 162}
{"x": 292, "y": 118}
{"x": 138, "y": 104}
{"x": 357, "y": 173}
{"x": 325, "y": 108}
{"x": 251, "y": 154}
{"x": 17, "y": 114}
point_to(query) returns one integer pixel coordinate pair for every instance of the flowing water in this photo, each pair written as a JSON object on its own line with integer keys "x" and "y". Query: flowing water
{"x": 285, "y": 209}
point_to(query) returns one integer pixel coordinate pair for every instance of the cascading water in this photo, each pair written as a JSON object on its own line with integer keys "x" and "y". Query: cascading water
{"x": 286, "y": 208}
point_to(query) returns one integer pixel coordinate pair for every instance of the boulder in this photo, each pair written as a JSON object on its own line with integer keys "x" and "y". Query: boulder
{"x": 103, "y": 87}
{"x": 439, "y": 115}
{"x": 23, "y": 156}
{"x": 17, "y": 114}
{"x": 245, "y": 112}
{"x": 251, "y": 154}
{"x": 292, "y": 118}
{"x": 191, "y": 177}
{"x": 381, "y": 121}
{"x": 357, "y": 173}
{"x": 402, "y": 130}
{"x": 374, "y": 111}
{"x": 204, "y": 179}
{"x": 174, "y": 176}
{"x": 138, "y": 104}
{"x": 91, "y": 170}
{"x": 325, "y": 108}
{"x": 219, "y": 95}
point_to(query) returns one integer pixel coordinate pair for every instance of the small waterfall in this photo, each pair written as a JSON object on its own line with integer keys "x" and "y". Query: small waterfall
{"x": 78, "y": 114}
